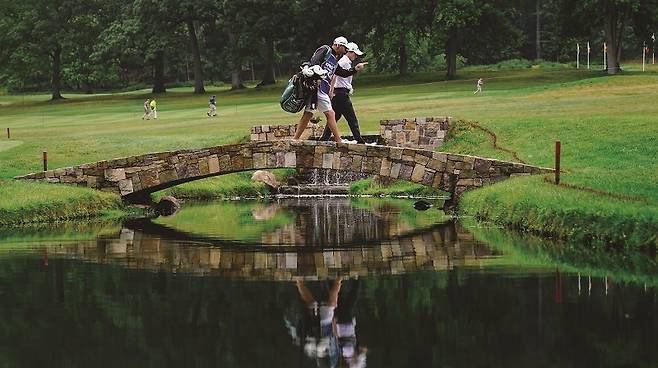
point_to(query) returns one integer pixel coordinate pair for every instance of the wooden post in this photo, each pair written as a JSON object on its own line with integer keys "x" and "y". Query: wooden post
{"x": 45, "y": 160}
{"x": 8, "y": 134}
{"x": 557, "y": 162}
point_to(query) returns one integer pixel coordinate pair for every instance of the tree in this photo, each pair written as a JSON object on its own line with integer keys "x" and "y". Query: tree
{"x": 44, "y": 29}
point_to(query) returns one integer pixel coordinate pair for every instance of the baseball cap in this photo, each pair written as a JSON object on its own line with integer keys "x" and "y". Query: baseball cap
{"x": 340, "y": 41}
{"x": 354, "y": 47}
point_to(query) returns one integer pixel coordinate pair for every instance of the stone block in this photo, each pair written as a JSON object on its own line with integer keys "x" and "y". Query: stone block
{"x": 395, "y": 153}
{"x": 417, "y": 173}
{"x": 305, "y": 158}
{"x": 405, "y": 172}
{"x": 111, "y": 174}
{"x": 467, "y": 174}
{"x": 385, "y": 169}
{"x": 318, "y": 160}
{"x": 436, "y": 164}
{"x": 327, "y": 160}
{"x": 280, "y": 159}
{"x": 270, "y": 159}
{"x": 225, "y": 163}
{"x": 461, "y": 165}
{"x": 410, "y": 125}
{"x": 92, "y": 182}
{"x": 395, "y": 170}
{"x": 336, "y": 161}
{"x": 203, "y": 167}
{"x": 213, "y": 164}
{"x": 167, "y": 176}
{"x": 290, "y": 159}
{"x": 356, "y": 163}
{"x": 259, "y": 160}
{"x": 345, "y": 162}
{"x": 149, "y": 178}
{"x": 376, "y": 151}
{"x": 421, "y": 159}
{"x": 125, "y": 186}
{"x": 481, "y": 166}
{"x": 465, "y": 182}
{"x": 237, "y": 163}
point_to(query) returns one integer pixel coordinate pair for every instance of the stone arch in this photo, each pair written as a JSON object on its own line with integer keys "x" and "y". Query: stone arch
{"x": 136, "y": 177}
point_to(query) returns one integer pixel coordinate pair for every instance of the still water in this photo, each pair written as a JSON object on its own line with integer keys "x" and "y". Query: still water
{"x": 318, "y": 283}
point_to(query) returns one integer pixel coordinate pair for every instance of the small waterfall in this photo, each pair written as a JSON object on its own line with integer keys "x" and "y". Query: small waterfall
{"x": 321, "y": 181}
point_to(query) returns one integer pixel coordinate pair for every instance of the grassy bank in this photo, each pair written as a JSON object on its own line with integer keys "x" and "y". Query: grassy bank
{"x": 606, "y": 125}
{"x": 530, "y": 205}
{"x": 25, "y": 203}
{"x": 570, "y": 256}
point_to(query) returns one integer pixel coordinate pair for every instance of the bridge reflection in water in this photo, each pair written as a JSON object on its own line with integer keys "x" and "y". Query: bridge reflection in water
{"x": 439, "y": 247}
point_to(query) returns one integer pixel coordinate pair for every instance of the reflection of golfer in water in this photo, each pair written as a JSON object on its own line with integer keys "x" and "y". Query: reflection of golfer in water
{"x": 345, "y": 326}
{"x": 327, "y": 331}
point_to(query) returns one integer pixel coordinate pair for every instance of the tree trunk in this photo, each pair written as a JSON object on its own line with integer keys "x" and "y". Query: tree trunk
{"x": 268, "y": 78}
{"x": 451, "y": 55}
{"x": 158, "y": 73}
{"x": 56, "y": 80}
{"x": 236, "y": 78}
{"x": 403, "y": 57}
{"x": 236, "y": 64}
{"x": 613, "y": 24}
{"x": 196, "y": 56}
{"x": 538, "y": 30}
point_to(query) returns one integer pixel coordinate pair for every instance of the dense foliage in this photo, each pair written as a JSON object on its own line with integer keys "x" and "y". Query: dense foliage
{"x": 117, "y": 44}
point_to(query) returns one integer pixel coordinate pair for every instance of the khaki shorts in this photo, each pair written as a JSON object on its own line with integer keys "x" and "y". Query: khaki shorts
{"x": 324, "y": 103}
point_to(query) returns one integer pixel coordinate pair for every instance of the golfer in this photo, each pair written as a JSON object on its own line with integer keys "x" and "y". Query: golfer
{"x": 212, "y": 106}
{"x": 478, "y": 86}
{"x": 327, "y": 57}
{"x": 154, "y": 105}
{"x": 147, "y": 110}
{"x": 342, "y": 89}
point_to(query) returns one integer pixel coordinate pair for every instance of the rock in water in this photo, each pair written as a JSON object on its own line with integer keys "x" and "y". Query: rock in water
{"x": 167, "y": 206}
{"x": 265, "y": 177}
{"x": 422, "y": 205}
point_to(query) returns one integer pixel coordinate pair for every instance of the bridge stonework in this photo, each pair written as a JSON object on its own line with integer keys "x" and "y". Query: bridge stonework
{"x": 136, "y": 177}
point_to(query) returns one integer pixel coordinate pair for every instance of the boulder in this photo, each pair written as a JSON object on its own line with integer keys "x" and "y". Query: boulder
{"x": 167, "y": 206}
{"x": 266, "y": 177}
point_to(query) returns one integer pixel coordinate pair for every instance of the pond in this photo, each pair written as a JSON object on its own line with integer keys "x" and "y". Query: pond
{"x": 318, "y": 282}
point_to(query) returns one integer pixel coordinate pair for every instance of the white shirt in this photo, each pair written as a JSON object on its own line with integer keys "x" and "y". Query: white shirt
{"x": 344, "y": 82}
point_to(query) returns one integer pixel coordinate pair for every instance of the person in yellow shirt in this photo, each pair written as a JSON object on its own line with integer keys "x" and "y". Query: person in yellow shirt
{"x": 154, "y": 112}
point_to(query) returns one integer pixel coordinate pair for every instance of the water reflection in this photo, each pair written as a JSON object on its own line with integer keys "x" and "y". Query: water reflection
{"x": 170, "y": 294}
{"x": 325, "y": 328}
{"x": 440, "y": 247}
{"x": 339, "y": 222}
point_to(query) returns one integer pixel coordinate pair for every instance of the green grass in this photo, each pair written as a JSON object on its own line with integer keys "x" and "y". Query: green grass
{"x": 398, "y": 188}
{"x": 570, "y": 256}
{"x": 24, "y": 203}
{"x": 606, "y": 125}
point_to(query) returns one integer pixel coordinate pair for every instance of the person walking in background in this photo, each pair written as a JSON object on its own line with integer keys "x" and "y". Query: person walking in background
{"x": 340, "y": 95}
{"x": 154, "y": 105}
{"x": 147, "y": 110}
{"x": 478, "y": 86}
{"x": 212, "y": 106}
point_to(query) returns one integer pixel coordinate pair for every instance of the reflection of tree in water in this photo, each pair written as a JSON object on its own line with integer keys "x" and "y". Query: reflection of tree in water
{"x": 87, "y": 313}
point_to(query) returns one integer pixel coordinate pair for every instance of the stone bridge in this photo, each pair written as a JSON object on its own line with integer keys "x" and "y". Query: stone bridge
{"x": 136, "y": 177}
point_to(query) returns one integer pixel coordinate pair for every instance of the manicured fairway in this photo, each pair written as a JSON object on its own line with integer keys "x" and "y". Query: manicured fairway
{"x": 607, "y": 125}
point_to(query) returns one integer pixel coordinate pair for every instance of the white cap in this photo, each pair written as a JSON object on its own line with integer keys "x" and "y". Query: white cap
{"x": 355, "y": 48}
{"x": 340, "y": 41}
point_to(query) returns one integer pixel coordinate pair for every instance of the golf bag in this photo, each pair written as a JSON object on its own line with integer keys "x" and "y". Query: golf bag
{"x": 302, "y": 87}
